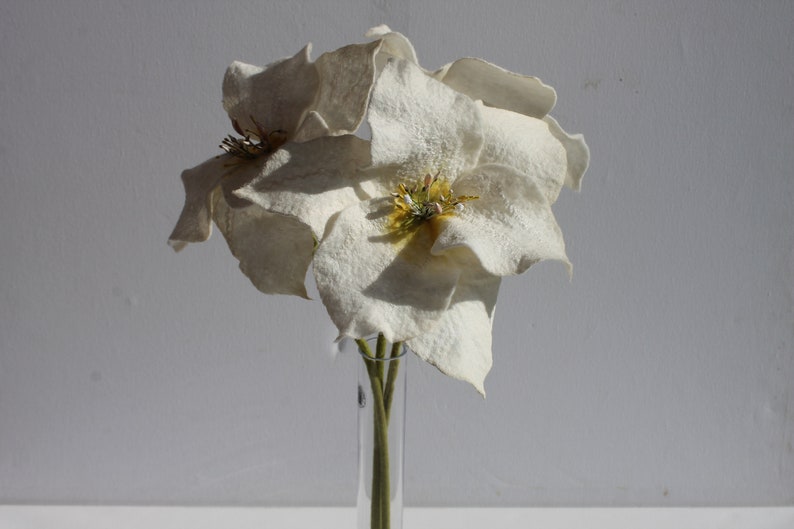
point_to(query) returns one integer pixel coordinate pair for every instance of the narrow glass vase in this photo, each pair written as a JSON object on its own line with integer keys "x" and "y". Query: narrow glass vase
{"x": 381, "y": 432}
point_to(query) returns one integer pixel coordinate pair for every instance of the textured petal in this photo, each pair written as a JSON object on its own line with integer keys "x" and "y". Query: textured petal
{"x": 379, "y": 182}
{"x": 371, "y": 281}
{"x": 195, "y": 221}
{"x": 509, "y": 228}
{"x": 460, "y": 343}
{"x": 274, "y": 251}
{"x": 498, "y": 87}
{"x": 313, "y": 126}
{"x": 421, "y": 125}
{"x": 394, "y": 44}
{"x": 346, "y": 78}
{"x": 577, "y": 151}
{"x": 526, "y": 144}
{"x": 277, "y": 96}
{"x": 310, "y": 181}
{"x": 239, "y": 173}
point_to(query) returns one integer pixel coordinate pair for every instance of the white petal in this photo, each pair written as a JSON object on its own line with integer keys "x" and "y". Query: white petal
{"x": 370, "y": 282}
{"x": 460, "y": 344}
{"x": 277, "y": 96}
{"x": 509, "y": 228}
{"x": 310, "y": 181}
{"x": 421, "y": 125}
{"x": 498, "y": 87}
{"x": 394, "y": 44}
{"x": 274, "y": 251}
{"x": 379, "y": 182}
{"x": 195, "y": 221}
{"x": 346, "y": 79}
{"x": 240, "y": 173}
{"x": 578, "y": 153}
{"x": 526, "y": 144}
{"x": 313, "y": 126}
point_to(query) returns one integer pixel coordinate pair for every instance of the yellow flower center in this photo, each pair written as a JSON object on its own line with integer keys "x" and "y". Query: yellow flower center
{"x": 432, "y": 197}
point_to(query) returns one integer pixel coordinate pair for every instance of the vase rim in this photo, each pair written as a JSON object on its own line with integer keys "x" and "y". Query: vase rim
{"x": 403, "y": 352}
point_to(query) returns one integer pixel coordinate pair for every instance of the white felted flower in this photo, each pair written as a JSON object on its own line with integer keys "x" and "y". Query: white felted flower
{"x": 423, "y": 265}
{"x": 413, "y": 230}
{"x": 423, "y": 235}
{"x": 292, "y": 100}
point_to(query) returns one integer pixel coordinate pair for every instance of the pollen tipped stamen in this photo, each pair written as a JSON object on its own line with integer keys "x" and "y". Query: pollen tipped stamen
{"x": 246, "y": 148}
{"x": 414, "y": 205}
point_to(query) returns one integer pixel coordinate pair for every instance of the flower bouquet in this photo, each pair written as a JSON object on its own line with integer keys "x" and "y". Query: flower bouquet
{"x": 409, "y": 232}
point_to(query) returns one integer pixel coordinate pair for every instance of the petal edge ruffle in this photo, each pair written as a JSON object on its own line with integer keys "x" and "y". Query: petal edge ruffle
{"x": 498, "y": 87}
{"x": 195, "y": 220}
{"x": 577, "y": 153}
{"x": 274, "y": 250}
{"x": 526, "y": 144}
{"x": 460, "y": 343}
{"x": 291, "y": 86}
{"x": 509, "y": 227}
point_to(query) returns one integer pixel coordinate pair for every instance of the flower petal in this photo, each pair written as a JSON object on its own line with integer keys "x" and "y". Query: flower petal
{"x": 577, "y": 151}
{"x": 526, "y": 144}
{"x": 276, "y": 96}
{"x": 394, "y": 44}
{"x": 509, "y": 228}
{"x": 460, "y": 343}
{"x": 346, "y": 79}
{"x": 274, "y": 251}
{"x": 371, "y": 281}
{"x": 195, "y": 221}
{"x": 421, "y": 125}
{"x": 239, "y": 175}
{"x": 310, "y": 181}
{"x": 498, "y": 87}
{"x": 312, "y": 126}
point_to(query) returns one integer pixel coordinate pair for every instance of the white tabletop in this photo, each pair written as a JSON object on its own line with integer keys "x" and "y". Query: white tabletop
{"x": 92, "y": 517}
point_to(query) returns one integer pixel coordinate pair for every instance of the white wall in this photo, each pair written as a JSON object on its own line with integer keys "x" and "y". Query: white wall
{"x": 661, "y": 375}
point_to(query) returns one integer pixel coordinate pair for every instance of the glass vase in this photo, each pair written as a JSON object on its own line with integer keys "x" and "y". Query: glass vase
{"x": 381, "y": 432}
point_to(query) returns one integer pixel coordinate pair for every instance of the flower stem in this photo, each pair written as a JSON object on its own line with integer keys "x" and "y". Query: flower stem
{"x": 394, "y": 367}
{"x": 382, "y": 385}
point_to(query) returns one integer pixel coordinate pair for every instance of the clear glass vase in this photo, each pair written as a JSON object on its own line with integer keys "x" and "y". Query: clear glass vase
{"x": 381, "y": 432}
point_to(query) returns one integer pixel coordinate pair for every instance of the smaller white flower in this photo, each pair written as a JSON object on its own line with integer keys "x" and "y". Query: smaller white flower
{"x": 292, "y": 100}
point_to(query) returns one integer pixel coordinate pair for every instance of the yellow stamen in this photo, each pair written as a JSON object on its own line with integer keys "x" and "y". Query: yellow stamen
{"x": 416, "y": 204}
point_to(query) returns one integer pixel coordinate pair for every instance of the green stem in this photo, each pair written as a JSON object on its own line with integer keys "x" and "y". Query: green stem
{"x": 380, "y": 354}
{"x": 380, "y": 474}
{"x": 380, "y": 510}
{"x": 394, "y": 367}
{"x": 377, "y": 478}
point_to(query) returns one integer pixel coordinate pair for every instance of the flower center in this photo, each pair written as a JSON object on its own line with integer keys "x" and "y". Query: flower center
{"x": 422, "y": 201}
{"x": 246, "y": 148}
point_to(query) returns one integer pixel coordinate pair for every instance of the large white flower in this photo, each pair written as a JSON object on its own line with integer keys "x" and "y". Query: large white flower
{"x": 450, "y": 203}
{"x": 291, "y": 100}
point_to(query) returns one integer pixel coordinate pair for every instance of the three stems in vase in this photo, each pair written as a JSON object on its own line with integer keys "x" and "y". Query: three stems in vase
{"x": 381, "y": 422}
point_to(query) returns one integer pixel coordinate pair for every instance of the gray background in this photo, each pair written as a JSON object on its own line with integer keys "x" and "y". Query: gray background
{"x": 661, "y": 375}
